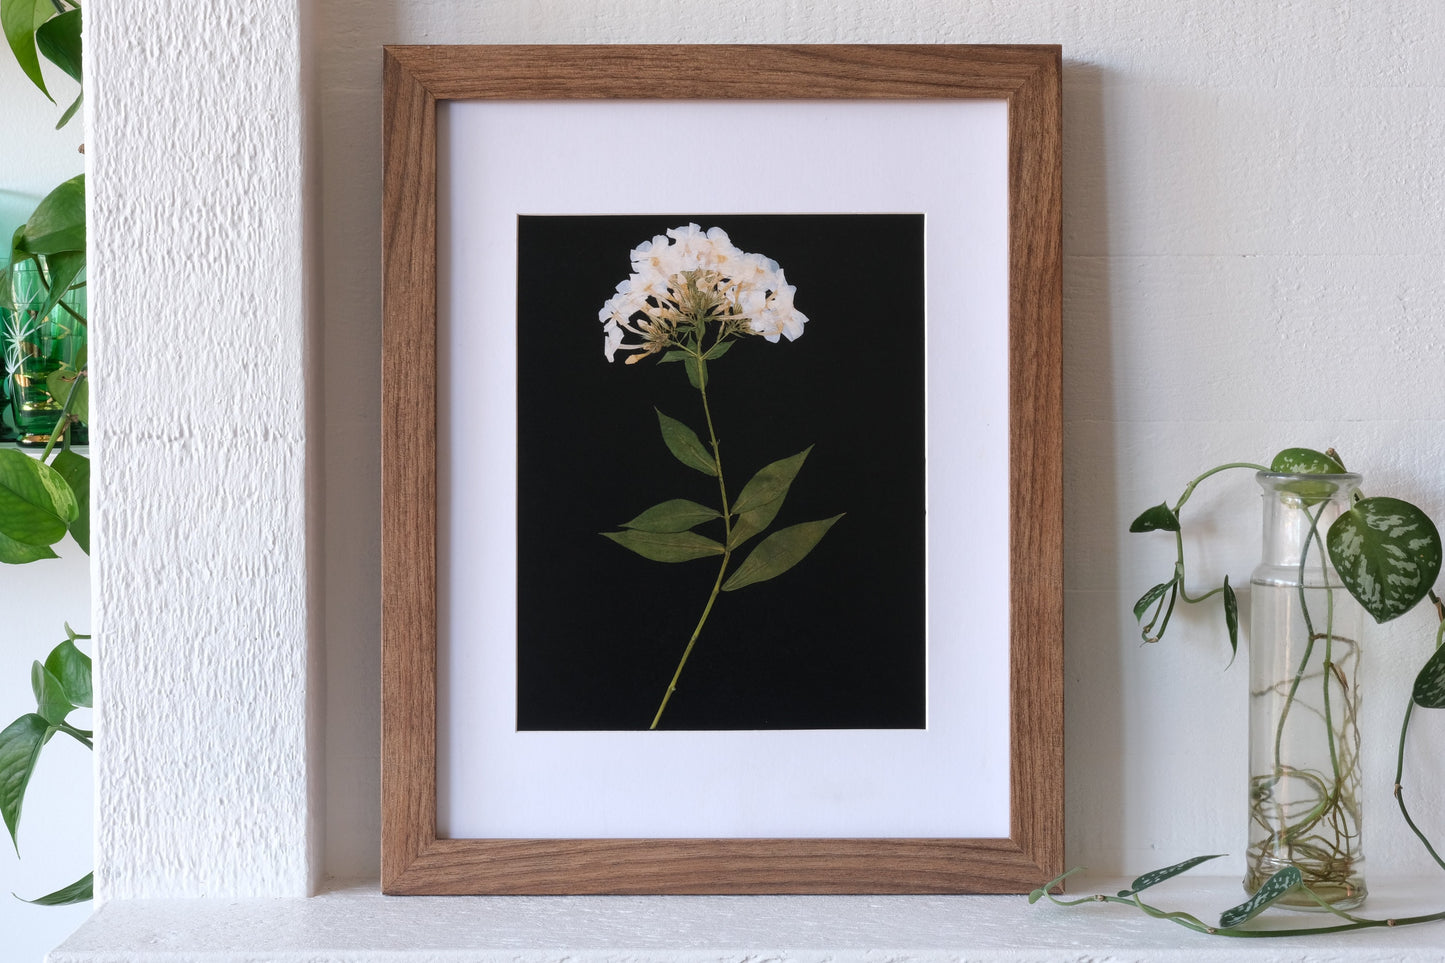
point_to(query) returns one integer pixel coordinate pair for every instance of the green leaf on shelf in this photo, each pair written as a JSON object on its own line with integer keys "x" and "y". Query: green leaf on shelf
{"x": 685, "y": 445}
{"x": 1276, "y": 886}
{"x": 674, "y": 515}
{"x": 779, "y": 552}
{"x": 1158, "y": 876}
{"x": 1387, "y": 552}
{"x": 1159, "y": 518}
{"x": 79, "y": 891}
{"x": 666, "y": 546}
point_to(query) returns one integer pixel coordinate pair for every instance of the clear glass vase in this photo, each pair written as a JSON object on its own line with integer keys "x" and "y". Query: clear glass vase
{"x": 1304, "y": 660}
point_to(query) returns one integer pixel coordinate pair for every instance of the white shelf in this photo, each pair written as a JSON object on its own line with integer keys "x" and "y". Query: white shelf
{"x": 353, "y": 924}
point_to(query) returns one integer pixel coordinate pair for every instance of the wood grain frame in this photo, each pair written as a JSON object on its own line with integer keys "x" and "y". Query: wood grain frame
{"x": 414, "y": 860}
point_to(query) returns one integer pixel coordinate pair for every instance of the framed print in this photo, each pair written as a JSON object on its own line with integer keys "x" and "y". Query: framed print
{"x": 721, "y": 532}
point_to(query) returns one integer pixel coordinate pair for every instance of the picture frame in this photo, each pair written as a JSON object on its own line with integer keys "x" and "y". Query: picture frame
{"x": 415, "y": 859}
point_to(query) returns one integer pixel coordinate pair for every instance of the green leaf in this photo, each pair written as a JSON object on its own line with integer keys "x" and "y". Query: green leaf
{"x": 1387, "y": 552}
{"x": 77, "y": 892}
{"x": 1305, "y": 461}
{"x": 1276, "y": 886}
{"x": 1141, "y": 607}
{"x": 1158, "y": 876}
{"x": 718, "y": 350}
{"x": 1159, "y": 518}
{"x": 1429, "y": 691}
{"x": 1231, "y": 618}
{"x": 685, "y": 445}
{"x": 779, "y": 552}
{"x": 71, "y": 668}
{"x": 50, "y": 701}
{"x": 673, "y": 356}
{"x": 59, "y": 40}
{"x": 75, "y": 469}
{"x": 61, "y": 383}
{"x": 58, "y": 224}
{"x": 19, "y": 553}
{"x": 36, "y": 505}
{"x": 761, "y": 498}
{"x": 676, "y": 515}
{"x": 696, "y": 372}
{"x": 666, "y": 546}
{"x": 70, "y": 111}
{"x": 21, "y": 18}
{"x": 61, "y": 270}
{"x": 19, "y": 746}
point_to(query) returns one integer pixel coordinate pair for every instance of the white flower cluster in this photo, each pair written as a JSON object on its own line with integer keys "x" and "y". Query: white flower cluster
{"x": 695, "y": 275}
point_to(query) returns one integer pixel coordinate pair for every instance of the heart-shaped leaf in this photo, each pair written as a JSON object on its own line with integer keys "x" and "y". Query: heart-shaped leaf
{"x": 19, "y": 746}
{"x": 1276, "y": 886}
{"x": 58, "y": 223}
{"x": 51, "y": 703}
{"x": 77, "y": 892}
{"x": 675, "y": 515}
{"x": 1387, "y": 552}
{"x": 685, "y": 445}
{"x": 71, "y": 667}
{"x": 1158, "y": 876}
{"x": 60, "y": 272}
{"x": 779, "y": 552}
{"x": 36, "y": 504}
{"x": 1305, "y": 461}
{"x": 666, "y": 546}
{"x": 59, "y": 40}
{"x": 1159, "y": 518}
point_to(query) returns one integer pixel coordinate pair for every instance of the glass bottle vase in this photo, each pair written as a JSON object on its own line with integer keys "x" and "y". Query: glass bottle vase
{"x": 1304, "y": 659}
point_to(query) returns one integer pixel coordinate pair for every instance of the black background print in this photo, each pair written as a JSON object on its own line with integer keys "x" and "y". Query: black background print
{"x": 835, "y": 642}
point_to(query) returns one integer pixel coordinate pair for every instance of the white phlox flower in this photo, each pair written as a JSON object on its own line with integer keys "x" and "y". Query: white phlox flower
{"x": 689, "y": 276}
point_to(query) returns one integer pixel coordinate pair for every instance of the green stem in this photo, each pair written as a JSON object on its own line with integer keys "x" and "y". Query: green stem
{"x": 1179, "y": 535}
{"x": 1400, "y": 767}
{"x": 1189, "y": 489}
{"x": 727, "y": 549}
{"x": 62, "y": 426}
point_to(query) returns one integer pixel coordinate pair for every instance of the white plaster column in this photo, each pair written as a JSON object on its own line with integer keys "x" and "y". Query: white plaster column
{"x": 200, "y": 360}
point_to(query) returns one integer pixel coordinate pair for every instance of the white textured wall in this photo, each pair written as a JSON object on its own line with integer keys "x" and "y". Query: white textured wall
{"x": 1253, "y": 235}
{"x": 198, "y": 311}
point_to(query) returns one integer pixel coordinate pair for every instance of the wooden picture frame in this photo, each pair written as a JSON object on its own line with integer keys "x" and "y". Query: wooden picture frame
{"x": 414, "y": 859}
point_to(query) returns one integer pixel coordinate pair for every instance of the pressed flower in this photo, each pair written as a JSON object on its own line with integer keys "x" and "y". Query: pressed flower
{"x": 689, "y": 285}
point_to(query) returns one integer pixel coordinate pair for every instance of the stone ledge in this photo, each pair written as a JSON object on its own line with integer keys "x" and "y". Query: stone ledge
{"x": 354, "y": 924}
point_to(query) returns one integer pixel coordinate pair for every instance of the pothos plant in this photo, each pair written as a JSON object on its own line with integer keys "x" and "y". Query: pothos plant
{"x": 1386, "y": 553}
{"x": 42, "y": 500}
